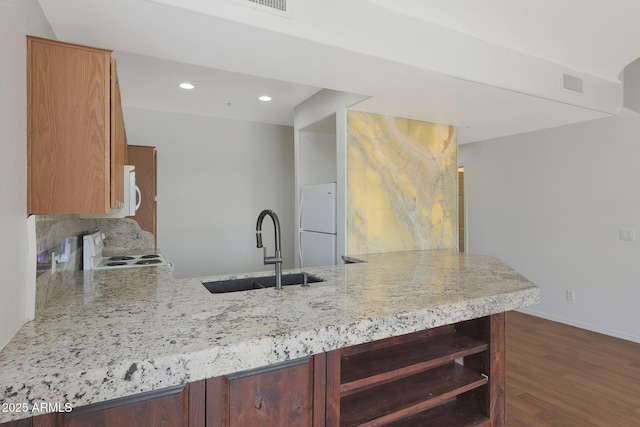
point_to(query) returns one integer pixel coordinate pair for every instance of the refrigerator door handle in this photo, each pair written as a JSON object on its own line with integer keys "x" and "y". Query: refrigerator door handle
{"x": 300, "y": 248}
{"x": 300, "y": 229}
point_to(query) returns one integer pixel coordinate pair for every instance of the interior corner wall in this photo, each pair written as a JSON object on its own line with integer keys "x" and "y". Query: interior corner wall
{"x": 325, "y": 105}
{"x": 215, "y": 176}
{"x": 402, "y": 184}
{"x": 551, "y": 204}
{"x": 631, "y": 87}
{"x": 16, "y": 21}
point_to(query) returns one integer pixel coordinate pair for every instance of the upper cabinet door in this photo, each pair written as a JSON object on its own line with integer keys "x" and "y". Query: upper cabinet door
{"x": 69, "y": 130}
{"x": 145, "y": 160}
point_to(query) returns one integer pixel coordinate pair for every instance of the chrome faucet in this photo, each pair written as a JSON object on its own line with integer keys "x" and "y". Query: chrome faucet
{"x": 277, "y": 258}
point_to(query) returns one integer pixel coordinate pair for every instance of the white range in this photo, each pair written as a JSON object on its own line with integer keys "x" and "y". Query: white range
{"x": 93, "y": 259}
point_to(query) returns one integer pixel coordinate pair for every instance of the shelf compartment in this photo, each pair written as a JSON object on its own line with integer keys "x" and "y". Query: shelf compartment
{"x": 451, "y": 414}
{"x": 376, "y": 367}
{"x": 411, "y": 395}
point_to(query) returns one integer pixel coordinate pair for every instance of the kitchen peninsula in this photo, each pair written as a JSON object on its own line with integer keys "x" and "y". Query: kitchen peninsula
{"x": 123, "y": 333}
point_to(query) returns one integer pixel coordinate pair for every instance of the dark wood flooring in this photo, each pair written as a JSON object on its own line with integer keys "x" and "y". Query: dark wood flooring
{"x": 559, "y": 375}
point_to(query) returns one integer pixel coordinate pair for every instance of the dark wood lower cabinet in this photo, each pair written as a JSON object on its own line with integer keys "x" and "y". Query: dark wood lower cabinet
{"x": 278, "y": 395}
{"x": 180, "y": 406}
{"x": 448, "y": 376}
{"x": 172, "y": 407}
{"x": 25, "y": 422}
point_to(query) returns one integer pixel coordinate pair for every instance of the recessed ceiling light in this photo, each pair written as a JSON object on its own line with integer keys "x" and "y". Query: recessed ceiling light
{"x": 186, "y": 86}
{"x": 265, "y": 98}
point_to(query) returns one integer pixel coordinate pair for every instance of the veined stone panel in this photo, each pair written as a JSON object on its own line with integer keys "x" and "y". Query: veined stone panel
{"x": 402, "y": 178}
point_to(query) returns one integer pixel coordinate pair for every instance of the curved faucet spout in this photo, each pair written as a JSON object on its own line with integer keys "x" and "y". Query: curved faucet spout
{"x": 277, "y": 258}
{"x": 276, "y": 226}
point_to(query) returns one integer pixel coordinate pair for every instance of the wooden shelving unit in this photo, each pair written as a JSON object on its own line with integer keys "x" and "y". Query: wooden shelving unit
{"x": 442, "y": 377}
{"x": 450, "y": 414}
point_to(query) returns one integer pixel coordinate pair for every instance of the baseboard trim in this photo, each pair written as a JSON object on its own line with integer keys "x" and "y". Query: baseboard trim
{"x": 581, "y": 325}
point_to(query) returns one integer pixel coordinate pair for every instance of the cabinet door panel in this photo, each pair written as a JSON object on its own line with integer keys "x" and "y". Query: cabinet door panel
{"x": 25, "y": 422}
{"x": 169, "y": 407}
{"x": 76, "y": 141}
{"x": 68, "y": 128}
{"x": 280, "y": 396}
{"x": 144, "y": 159}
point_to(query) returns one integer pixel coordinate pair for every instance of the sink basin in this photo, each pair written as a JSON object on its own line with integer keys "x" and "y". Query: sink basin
{"x": 248, "y": 283}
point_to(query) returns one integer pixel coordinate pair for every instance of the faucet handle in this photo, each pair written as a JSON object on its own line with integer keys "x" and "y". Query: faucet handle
{"x": 276, "y": 259}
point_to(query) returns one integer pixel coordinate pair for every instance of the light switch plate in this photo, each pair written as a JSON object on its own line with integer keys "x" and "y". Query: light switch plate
{"x": 627, "y": 234}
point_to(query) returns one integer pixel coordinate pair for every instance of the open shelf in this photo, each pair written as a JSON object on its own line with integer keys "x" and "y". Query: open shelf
{"x": 451, "y": 414}
{"x": 452, "y": 375}
{"x": 393, "y": 401}
{"x": 376, "y": 367}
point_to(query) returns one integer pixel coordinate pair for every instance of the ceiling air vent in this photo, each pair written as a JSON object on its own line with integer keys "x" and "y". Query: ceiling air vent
{"x": 280, "y": 5}
{"x": 207, "y": 7}
{"x": 571, "y": 83}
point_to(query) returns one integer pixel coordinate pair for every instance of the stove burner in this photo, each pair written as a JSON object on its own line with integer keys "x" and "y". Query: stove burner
{"x": 93, "y": 259}
{"x": 148, "y": 261}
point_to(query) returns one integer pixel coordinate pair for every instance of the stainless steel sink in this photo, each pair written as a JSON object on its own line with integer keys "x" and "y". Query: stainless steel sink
{"x": 248, "y": 283}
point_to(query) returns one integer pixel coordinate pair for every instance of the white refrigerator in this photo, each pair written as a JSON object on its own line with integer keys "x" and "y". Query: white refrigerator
{"x": 318, "y": 228}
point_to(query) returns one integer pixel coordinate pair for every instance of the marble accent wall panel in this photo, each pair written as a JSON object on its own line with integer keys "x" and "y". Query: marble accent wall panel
{"x": 402, "y": 178}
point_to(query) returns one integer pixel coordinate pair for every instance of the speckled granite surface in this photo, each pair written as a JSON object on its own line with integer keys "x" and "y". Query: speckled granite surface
{"x": 121, "y": 332}
{"x": 52, "y": 231}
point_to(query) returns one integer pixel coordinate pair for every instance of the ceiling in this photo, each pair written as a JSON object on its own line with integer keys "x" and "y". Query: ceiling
{"x": 598, "y": 37}
{"x": 492, "y": 68}
{"x": 151, "y": 82}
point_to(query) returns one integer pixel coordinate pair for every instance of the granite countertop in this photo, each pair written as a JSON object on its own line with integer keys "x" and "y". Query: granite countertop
{"x": 114, "y": 333}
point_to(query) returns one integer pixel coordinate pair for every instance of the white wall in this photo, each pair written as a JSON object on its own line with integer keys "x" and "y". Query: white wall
{"x": 17, "y": 19}
{"x": 317, "y": 158}
{"x": 631, "y": 88}
{"x": 214, "y": 177}
{"x": 550, "y": 204}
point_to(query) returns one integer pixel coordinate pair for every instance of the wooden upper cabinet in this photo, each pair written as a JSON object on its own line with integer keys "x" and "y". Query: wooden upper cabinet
{"x": 76, "y": 145}
{"x": 144, "y": 158}
{"x": 118, "y": 141}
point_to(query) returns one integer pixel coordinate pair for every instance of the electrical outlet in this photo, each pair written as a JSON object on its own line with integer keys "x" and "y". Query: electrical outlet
{"x": 571, "y": 295}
